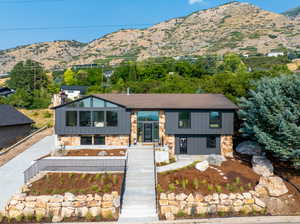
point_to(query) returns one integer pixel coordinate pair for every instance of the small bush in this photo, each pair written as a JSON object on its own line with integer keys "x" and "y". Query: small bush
{"x": 95, "y": 187}
{"x": 98, "y": 176}
{"x": 177, "y": 182}
{"x": 210, "y": 187}
{"x": 39, "y": 218}
{"x": 184, "y": 183}
{"x": 159, "y": 188}
{"x": 180, "y": 213}
{"x": 89, "y": 216}
{"x": 71, "y": 175}
{"x": 47, "y": 114}
{"x": 107, "y": 188}
{"x": 237, "y": 180}
{"x": 27, "y": 218}
{"x": 219, "y": 188}
{"x": 242, "y": 188}
{"x": 115, "y": 179}
{"x": 19, "y": 218}
{"x": 196, "y": 183}
{"x": 203, "y": 181}
{"x": 249, "y": 186}
{"x": 172, "y": 187}
{"x": 83, "y": 176}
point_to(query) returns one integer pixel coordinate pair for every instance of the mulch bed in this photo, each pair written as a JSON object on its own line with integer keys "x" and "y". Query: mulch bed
{"x": 59, "y": 183}
{"x": 240, "y": 176}
{"x": 95, "y": 152}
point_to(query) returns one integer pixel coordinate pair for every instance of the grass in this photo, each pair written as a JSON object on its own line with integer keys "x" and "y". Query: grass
{"x": 41, "y": 117}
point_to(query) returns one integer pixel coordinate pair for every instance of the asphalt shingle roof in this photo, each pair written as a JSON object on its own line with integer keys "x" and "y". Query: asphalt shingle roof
{"x": 9, "y": 116}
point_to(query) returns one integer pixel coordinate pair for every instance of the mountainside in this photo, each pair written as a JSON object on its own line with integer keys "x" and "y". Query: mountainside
{"x": 233, "y": 27}
{"x": 293, "y": 13}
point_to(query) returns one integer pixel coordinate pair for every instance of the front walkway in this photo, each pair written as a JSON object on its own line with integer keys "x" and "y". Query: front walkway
{"x": 139, "y": 202}
{"x": 11, "y": 174}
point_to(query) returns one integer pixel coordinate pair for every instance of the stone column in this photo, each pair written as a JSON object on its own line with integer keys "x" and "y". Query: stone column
{"x": 227, "y": 146}
{"x": 162, "y": 128}
{"x": 133, "y": 132}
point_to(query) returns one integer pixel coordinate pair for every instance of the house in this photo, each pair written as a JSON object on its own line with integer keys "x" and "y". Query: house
{"x": 5, "y": 91}
{"x": 13, "y": 125}
{"x": 74, "y": 92}
{"x": 275, "y": 54}
{"x": 193, "y": 124}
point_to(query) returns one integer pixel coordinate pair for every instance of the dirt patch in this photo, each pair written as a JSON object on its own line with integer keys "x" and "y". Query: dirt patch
{"x": 240, "y": 178}
{"x": 59, "y": 183}
{"x": 95, "y": 152}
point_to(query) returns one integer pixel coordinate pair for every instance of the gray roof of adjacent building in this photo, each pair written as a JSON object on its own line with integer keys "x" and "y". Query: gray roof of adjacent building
{"x": 9, "y": 116}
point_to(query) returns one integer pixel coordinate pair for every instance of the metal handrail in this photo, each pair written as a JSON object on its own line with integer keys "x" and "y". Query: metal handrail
{"x": 155, "y": 179}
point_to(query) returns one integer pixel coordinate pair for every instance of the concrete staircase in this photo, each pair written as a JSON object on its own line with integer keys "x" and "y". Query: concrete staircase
{"x": 139, "y": 202}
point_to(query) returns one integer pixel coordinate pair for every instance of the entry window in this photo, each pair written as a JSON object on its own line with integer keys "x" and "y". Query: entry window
{"x": 184, "y": 120}
{"x": 211, "y": 142}
{"x": 98, "y": 119}
{"x": 215, "y": 119}
{"x": 111, "y": 118}
{"x": 85, "y": 118}
{"x": 99, "y": 140}
{"x": 86, "y": 140}
{"x": 71, "y": 118}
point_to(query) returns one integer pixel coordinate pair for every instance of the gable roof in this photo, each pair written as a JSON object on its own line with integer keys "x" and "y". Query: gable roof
{"x": 168, "y": 101}
{"x": 11, "y": 117}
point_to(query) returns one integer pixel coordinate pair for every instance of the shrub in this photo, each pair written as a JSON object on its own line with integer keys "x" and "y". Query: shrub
{"x": 210, "y": 187}
{"x": 172, "y": 187}
{"x": 184, "y": 183}
{"x": 47, "y": 114}
{"x": 159, "y": 188}
{"x": 98, "y": 176}
{"x": 115, "y": 179}
{"x": 242, "y": 188}
{"x": 196, "y": 183}
{"x": 19, "y": 218}
{"x": 181, "y": 213}
{"x": 71, "y": 175}
{"x": 237, "y": 180}
{"x": 249, "y": 186}
{"x": 89, "y": 216}
{"x": 203, "y": 181}
{"x": 107, "y": 188}
{"x": 39, "y": 218}
{"x": 218, "y": 188}
{"x": 1, "y": 217}
{"x": 95, "y": 188}
{"x": 83, "y": 176}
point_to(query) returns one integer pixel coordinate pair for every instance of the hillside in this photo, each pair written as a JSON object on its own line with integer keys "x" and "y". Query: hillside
{"x": 293, "y": 13}
{"x": 233, "y": 27}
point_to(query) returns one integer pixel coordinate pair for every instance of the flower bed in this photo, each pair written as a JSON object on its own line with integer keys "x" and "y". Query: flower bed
{"x": 96, "y": 152}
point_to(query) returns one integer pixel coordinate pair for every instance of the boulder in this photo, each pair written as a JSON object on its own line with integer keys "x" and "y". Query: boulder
{"x": 69, "y": 197}
{"x": 202, "y": 166}
{"x": 82, "y": 211}
{"x": 259, "y": 202}
{"x": 274, "y": 185}
{"x": 262, "y": 166}
{"x": 95, "y": 211}
{"x": 67, "y": 212}
{"x": 215, "y": 160}
{"x": 249, "y": 148}
{"x": 28, "y": 212}
{"x": 56, "y": 219}
{"x": 14, "y": 212}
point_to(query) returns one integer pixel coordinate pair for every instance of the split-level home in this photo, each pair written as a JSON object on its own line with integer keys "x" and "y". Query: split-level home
{"x": 192, "y": 124}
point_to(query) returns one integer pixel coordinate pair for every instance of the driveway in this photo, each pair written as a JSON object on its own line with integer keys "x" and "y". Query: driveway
{"x": 11, "y": 174}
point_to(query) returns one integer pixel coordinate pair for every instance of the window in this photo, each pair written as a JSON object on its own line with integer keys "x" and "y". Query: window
{"x": 85, "y": 118}
{"x": 211, "y": 142}
{"x": 111, "y": 118}
{"x": 86, "y": 140}
{"x": 184, "y": 120}
{"x": 86, "y": 103}
{"x": 98, "y": 119}
{"x": 99, "y": 140}
{"x": 108, "y": 104}
{"x": 98, "y": 103}
{"x": 215, "y": 119}
{"x": 71, "y": 118}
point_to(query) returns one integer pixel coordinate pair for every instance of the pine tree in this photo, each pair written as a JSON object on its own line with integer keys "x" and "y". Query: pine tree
{"x": 271, "y": 116}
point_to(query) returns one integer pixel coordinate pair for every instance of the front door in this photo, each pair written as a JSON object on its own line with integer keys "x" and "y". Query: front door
{"x": 183, "y": 145}
{"x": 148, "y": 132}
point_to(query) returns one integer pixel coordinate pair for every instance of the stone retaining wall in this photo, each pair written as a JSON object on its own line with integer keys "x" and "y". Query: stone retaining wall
{"x": 196, "y": 204}
{"x": 64, "y": 206}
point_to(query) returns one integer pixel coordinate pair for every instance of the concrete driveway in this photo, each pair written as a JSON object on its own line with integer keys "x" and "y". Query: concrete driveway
{"x": 11, "y": 174}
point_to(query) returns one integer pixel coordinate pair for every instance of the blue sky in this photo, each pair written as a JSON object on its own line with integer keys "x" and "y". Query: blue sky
{"x": 17, "y": 14}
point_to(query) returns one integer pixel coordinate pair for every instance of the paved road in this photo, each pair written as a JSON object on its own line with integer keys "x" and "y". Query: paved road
{"x": 11, "y": 174}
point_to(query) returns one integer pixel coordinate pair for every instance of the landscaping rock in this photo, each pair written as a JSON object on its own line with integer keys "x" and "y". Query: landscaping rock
{"x": 28, "y": 212}
{"x": 169, "y": 216}
{"x": 107, "y": 212}
{"x": 274, "y": 185}
{"x": 249, "y": 148}
{"x": 262, "y": 166}
{"x": 82, "y": 212}
{"x": 69, "y": 197}
{"x": 259, "y": 202}
{"x": 14, "y": 212}
{"x": 202, "y": 166}
{"x": 102, "y": 153}
{"x": 215, "y": 160}
{"x": 57, "y": 219}
{"x": 95, "y": 211}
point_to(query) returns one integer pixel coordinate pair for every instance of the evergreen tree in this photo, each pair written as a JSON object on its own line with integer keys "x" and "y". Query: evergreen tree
{"x": 271, "y": 116}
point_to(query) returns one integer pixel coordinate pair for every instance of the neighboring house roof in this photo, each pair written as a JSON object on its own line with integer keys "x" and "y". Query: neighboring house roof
{"x": 168, "y": 101}
{"x": 6, "y": 91}
{"x": 12, "y": 117}
{"x": 82, "y": 89}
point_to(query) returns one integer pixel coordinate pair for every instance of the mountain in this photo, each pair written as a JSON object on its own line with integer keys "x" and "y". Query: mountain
{"x": 233, "y": 27}
{"x": 293, "y": 13}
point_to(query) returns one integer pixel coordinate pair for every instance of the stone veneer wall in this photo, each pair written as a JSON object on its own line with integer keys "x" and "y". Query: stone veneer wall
{"x": 170, "y": 142}
{"x": 110, "y": 140}
{"x": 226, "y": 146}
{"x": 193, "y": 204}
{"x": 64, "y": 206}
{"x": 162, "y": 125}
{"x": 133, "y": 130}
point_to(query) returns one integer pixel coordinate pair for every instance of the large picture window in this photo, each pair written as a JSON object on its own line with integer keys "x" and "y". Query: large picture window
{"x": 85, "y": 118}
{"x": 111, "y": 118}
{"x": 215, "y": 119}
{"x": 184, "y": 120}
{"x": 98, "y": 119}
{"x": 71, "y": 118}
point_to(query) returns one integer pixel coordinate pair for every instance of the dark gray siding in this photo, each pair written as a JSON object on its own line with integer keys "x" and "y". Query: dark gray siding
{"x": 123, "y": 127}
{"x": 11, "y": 134}
{"x": 196, "y": 145}
{"x": 199, "y": 123}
